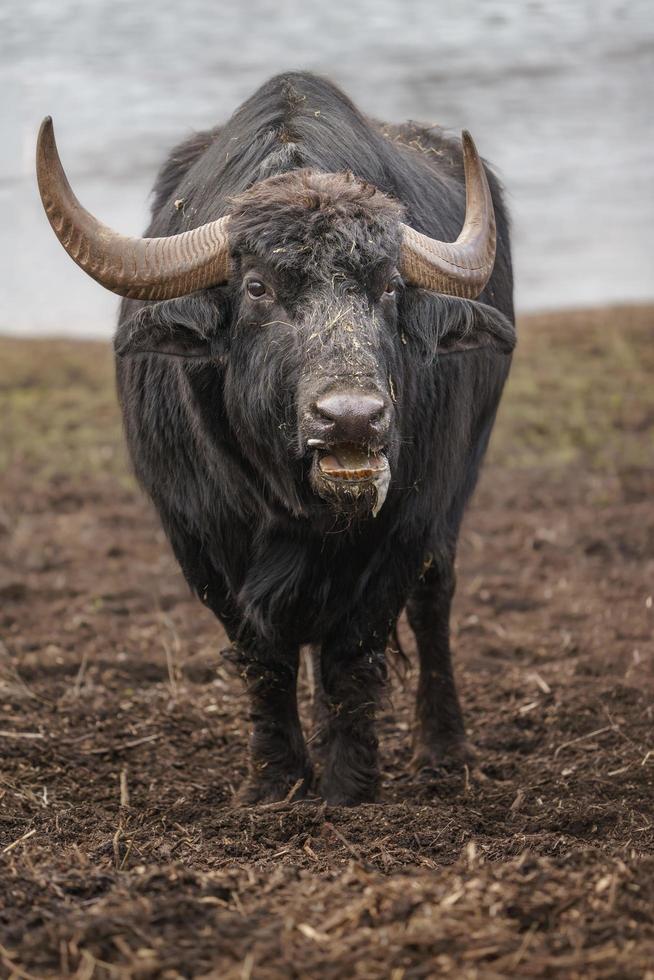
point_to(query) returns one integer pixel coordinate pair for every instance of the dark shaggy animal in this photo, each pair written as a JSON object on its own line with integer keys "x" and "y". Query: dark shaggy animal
{"x": 311, "y": 429}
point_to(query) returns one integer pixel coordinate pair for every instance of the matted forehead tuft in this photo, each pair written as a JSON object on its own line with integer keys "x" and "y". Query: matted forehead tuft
{"x": 320, "y": 218}
{"x": 313, "y": 190}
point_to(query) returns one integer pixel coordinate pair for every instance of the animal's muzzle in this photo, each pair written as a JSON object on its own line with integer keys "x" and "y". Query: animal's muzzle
{"x": 349, "y": 432}
{"x": 351, "y": 417}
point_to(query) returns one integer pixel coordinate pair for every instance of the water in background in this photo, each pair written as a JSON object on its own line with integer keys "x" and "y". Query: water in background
{"x": 557, "y": 95}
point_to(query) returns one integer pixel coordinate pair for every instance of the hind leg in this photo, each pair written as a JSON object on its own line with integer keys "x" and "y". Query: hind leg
{"x": 439, "y": 735}
{"x": 319, "y": 717}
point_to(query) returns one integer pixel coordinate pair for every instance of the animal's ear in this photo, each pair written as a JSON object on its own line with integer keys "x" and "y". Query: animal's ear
{"x": 184, "y": 327}
{"x": 175, "y": 342}
{"x": 465, "y": 325}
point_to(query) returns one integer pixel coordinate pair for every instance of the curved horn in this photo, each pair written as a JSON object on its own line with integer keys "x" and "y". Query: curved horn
{"x": 141, "y": 268}
{"x": 460, "y": 268}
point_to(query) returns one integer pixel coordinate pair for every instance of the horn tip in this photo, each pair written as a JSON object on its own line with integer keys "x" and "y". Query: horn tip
{"x": 46, "y": 130}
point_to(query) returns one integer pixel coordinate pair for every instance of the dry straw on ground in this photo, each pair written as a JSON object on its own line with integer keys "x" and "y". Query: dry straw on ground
{"x": 122, "y": 732}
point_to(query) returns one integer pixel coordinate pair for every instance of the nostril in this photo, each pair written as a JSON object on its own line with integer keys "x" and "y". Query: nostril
{"x": 325, "y": 409}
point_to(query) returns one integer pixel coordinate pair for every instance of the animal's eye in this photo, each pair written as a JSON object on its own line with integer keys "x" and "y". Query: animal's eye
{"x": 256, "y": 289}
{"x": 391, "y": 286}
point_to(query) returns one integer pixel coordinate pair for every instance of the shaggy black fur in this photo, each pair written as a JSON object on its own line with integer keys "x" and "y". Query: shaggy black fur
{"x": 217, "y": 392}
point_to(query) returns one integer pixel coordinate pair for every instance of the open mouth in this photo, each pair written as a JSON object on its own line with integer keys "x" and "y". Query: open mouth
{"x": 352, "y": 476}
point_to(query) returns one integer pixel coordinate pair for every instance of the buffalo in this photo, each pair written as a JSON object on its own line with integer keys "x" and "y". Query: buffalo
{"x": 311, "y": 350}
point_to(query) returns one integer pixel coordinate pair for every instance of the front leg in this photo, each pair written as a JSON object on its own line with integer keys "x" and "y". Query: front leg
{"x": 439, "y": 737}
{"x": 353, "y": 678}
{"x": 278, "y": 757}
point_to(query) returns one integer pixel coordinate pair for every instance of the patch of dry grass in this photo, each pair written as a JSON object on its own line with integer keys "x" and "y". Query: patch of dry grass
{"x": 580, "y": 392}
{"x": 43, "y": 383}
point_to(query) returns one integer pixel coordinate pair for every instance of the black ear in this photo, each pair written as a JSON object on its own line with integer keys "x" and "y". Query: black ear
{"x": 465, "y": 325}
{"x": 184, "y": 327}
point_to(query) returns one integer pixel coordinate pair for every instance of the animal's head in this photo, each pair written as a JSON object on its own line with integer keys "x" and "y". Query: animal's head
{"x": 316, "y": 257}
{"x": 307, "y": 322}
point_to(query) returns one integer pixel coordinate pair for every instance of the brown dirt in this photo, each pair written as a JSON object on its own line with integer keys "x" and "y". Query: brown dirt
{"x": 122, "y": 731}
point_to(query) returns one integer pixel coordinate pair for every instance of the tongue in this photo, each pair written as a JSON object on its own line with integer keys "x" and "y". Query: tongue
{"x": 351, "y": 463}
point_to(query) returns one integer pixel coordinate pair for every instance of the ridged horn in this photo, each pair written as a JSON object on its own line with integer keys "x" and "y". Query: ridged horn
{"x": 140, "y": 268}
{"x": 460, "y": 268}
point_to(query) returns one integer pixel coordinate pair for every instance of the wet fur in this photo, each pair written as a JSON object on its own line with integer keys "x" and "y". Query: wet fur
{"x": 213, "y": 436}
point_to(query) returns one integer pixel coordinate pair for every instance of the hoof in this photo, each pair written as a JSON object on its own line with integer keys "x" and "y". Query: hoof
{"x": 442, "y": 754}
{"x": 287, "y": 789}
{"x": 337, "y": 793}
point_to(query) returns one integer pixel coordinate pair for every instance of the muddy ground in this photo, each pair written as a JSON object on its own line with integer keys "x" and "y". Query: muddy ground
{"x": 122, "y": 731}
